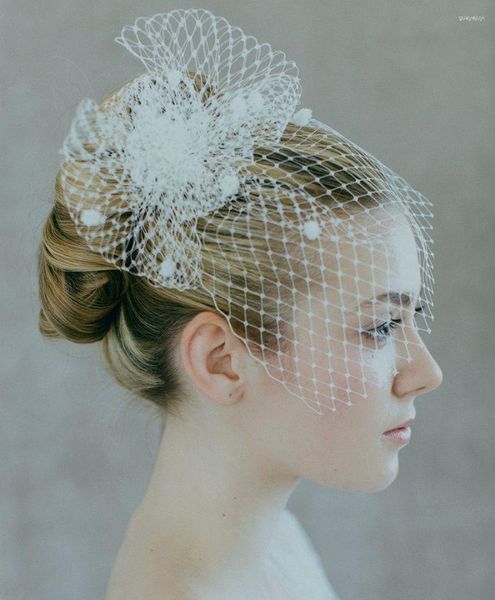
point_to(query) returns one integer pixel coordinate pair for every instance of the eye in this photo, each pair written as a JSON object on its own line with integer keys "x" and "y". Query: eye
{"x": 382, "y": 332}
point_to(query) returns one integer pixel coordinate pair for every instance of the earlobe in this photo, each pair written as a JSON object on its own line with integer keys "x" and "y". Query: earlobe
{"x": 209, "y": 357}
{"x": 236, "y": 395}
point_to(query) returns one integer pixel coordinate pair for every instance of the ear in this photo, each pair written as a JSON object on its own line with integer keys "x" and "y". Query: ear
{"x": 212, "y": 356}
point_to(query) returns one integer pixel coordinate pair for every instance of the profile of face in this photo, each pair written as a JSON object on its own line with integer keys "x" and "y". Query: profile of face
{"x": 371, "y": 364}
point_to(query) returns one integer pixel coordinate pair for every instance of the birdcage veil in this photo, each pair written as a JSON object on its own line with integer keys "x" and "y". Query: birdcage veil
{"x": 212, "y": 127}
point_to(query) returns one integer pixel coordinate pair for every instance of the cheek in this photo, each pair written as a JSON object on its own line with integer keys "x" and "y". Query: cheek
{"x": 340, "y": 448}
{"x": 355, "y": 373}
{"x": 341, "y": 374}
{"x": 345, "y": 449}
{"x": 350, "y": 377}
{"x": 363, "y": 372}
{"x": 379, "y": 367}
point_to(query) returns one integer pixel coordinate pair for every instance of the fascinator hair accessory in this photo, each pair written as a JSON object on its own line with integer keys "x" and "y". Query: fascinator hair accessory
{"x": 212, "y": 124}
{"x": 177, "y": 141}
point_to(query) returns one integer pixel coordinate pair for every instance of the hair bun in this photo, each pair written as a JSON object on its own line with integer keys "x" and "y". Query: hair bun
{"x": 79, "y": 292}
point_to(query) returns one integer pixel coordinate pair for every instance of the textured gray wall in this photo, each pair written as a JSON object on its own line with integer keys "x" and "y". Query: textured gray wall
{"x": 409, "y": 82}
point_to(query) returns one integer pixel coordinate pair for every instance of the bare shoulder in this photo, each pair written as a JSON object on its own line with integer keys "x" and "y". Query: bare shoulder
{"x": 170, "y": 588}
{"x": 138, "y": 583}
{"x": 142, "y": 572}
{"x": 296, "y": 556}
{"x": 302, "y": 544}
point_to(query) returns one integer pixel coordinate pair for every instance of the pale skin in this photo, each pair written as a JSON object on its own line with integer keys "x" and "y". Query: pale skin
{"x": 227, "y": 465}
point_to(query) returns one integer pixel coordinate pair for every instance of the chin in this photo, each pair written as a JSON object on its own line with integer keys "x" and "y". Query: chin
{"x": 386, "y": 478}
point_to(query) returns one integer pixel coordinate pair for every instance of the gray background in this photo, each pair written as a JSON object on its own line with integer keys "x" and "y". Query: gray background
{"x": 409, "y": 82}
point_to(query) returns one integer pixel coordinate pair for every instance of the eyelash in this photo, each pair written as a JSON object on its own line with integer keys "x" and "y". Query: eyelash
{"x": 385, "y": 329}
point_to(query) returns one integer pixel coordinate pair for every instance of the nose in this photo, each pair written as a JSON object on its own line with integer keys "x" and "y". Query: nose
{"x": 420, "y": 375}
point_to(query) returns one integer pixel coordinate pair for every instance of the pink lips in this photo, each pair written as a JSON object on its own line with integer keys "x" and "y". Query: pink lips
{"x": 402, "y": 425}
{"x": 401, "y": 434}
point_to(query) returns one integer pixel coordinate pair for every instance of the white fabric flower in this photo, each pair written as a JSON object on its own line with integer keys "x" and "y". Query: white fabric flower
{"x": 302, "y": 117}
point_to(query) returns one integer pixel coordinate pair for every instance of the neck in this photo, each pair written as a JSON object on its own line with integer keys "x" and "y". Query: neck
{"x": 214, "y": 498}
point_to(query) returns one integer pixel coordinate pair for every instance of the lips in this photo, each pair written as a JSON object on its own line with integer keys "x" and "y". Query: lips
{"x": 405, "y": 424}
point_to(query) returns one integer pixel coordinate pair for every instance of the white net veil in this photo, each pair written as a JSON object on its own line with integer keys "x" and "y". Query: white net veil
{"x": 200, "y": 173}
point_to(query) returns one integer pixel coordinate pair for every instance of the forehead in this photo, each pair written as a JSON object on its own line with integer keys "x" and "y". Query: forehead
{"x": 378, "y": 255}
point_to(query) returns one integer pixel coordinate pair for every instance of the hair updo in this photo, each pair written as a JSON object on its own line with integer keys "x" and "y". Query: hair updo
{"x": 86, "y": 299}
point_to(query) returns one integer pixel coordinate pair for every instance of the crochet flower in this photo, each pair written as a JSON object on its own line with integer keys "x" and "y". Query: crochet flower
{"x": 175, "y": 143}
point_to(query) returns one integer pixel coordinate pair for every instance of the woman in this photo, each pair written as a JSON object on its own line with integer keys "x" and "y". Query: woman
{"x": 311, "y": 259}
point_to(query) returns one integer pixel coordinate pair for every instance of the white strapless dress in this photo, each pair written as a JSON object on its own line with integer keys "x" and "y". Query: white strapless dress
{"x": 299, "y": 571}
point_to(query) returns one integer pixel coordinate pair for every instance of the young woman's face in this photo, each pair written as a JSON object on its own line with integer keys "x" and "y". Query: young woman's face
{"x": 355, "y": 353}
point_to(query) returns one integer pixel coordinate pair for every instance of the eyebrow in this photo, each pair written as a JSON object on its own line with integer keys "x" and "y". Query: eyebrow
{"x": 397, "y": 298}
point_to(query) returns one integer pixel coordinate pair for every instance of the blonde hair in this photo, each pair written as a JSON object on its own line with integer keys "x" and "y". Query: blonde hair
{"x": 86, "y": 299}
